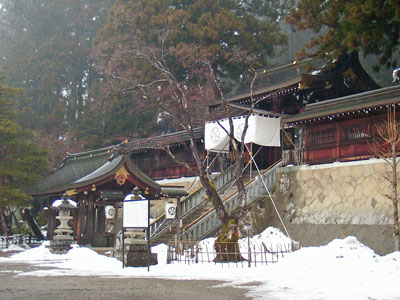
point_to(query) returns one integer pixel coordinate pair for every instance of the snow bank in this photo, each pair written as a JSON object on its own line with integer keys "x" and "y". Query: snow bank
{"x": 343, "y": 269}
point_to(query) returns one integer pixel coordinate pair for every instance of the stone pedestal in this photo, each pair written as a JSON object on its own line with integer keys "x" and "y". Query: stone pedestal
{"x": 135, "y": 250}
{"x": 60, "y": 246}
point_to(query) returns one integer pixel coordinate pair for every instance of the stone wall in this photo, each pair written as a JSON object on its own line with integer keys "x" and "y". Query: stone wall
{"x": 323, "y": 202}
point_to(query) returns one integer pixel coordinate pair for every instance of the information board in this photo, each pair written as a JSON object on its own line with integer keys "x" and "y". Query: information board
{"x": 135, "y": 214}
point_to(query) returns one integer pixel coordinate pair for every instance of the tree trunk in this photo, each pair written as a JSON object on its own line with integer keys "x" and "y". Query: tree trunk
{"x": 226, "y": 245}
{"x": 211, "y": 191}
{"x": 5, "y": 228}
{"x": 32, "y": 224}
{"x": 215, "y": 199}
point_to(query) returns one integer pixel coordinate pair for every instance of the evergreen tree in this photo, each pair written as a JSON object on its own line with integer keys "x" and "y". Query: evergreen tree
{"x": 370, "y": 26}
{"x": 45, "y": 48}
{"x": 21, "y": 162}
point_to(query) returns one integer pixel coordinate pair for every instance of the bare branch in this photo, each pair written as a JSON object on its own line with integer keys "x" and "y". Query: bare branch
{"x": 178, "y": 161}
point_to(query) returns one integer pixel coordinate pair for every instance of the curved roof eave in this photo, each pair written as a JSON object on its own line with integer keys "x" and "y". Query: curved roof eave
{"x": 110, "y": 168}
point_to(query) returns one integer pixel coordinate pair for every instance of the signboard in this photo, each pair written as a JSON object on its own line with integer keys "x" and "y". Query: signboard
{"x": 135, "y": 214}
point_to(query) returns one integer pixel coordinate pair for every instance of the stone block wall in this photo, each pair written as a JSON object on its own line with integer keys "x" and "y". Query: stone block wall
{"x": 323, "y": 202}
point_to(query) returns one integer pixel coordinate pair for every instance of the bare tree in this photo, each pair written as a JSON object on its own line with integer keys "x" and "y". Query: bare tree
{"x": 387, "y": 147}
{"x": 179, "y": 98}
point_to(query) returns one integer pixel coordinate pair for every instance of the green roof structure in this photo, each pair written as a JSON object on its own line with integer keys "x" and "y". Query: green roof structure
{"x": 83, "y": 170}
{"x": 74, "y": 167}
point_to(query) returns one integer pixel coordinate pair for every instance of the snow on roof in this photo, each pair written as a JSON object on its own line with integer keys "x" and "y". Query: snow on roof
{"x": 59, "y": 202}
{"x": 132, "y": 197}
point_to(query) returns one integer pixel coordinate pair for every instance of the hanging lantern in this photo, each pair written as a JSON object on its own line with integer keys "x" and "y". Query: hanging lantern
{"x": 170, "y": 211}
{"x": 110, "y": 212}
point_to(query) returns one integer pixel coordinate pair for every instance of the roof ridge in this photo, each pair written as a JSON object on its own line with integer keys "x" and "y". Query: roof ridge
{"x": 95, "y": 151}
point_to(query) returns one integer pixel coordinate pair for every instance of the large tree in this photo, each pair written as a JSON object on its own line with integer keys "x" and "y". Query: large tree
{"x": 227, "y": 30}
{"x": 178, "y": 55}
{"x": 45, "y": 48}
{"x": 21, "y": 162}
{"x": 368, "y": 26}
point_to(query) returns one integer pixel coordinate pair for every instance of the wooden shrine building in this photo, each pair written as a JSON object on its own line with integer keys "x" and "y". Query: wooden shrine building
{"x": 285, "y": 91}
{"x": 151, "y": 159}
{"x": 340, "y": 129}
{"x": 282, "y": 91}
{"x": 96, "y": 180}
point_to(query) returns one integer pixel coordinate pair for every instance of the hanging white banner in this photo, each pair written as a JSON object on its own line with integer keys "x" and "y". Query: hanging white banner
{"x": 264, "y": 131}
{"x": 215, "y": 137}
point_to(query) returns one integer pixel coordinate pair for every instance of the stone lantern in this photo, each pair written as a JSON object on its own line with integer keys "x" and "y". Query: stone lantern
{"x": 63, "y": 237}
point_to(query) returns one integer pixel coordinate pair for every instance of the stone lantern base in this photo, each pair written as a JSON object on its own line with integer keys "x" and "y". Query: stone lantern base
{"x": 60, "y": 245}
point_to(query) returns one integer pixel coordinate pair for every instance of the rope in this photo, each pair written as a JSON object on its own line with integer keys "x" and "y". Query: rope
{"x": 269, "y": 194}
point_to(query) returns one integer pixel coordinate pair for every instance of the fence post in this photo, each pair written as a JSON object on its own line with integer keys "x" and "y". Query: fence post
{"x": 197, "y": 252}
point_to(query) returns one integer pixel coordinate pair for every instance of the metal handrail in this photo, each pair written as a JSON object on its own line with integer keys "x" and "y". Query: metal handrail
{"x": 209, "y": 221}
{"x": 192, "y": 201}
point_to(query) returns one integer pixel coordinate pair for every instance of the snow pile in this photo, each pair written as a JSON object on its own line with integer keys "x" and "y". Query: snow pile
{"x": 343, "y": 269}
{"x": 272, "y": 238}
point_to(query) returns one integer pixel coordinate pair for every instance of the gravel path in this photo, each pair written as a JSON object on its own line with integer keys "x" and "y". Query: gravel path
{"x": 14, "y": 286}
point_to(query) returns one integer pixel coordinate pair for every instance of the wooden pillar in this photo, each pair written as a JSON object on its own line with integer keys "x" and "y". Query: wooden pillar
{"x": 337, "y": 141}
{"x": 373, "y": 128}
{"x": 81, "y": 220}
{"x": 305, "y": 133}
{"x": 101, "y": 219}
{"x": 90, "y": 220}
{"x": 116, "y": 224}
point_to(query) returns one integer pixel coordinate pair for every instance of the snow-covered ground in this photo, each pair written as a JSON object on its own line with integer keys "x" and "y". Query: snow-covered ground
{"x": 343, "y": 269}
